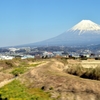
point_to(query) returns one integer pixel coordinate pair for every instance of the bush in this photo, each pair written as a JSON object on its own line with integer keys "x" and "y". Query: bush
{"x": 90, "y": 73}
{"x": 19, "y": 70}
{"x": 75, "y": 70}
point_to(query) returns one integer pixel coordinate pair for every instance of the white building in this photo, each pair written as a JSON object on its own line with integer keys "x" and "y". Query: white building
{"x": 6, "y": 57}
{"x": 27, "y": 56}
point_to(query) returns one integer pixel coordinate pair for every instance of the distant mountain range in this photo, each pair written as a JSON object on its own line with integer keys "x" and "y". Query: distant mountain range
{"x": 85, "y": 33}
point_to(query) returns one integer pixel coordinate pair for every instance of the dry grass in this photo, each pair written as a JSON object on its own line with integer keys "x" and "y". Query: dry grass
{"x": 85, "y": 72}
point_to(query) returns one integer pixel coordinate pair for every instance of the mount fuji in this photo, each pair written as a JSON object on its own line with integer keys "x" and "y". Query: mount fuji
{"x": 85, "y": 33}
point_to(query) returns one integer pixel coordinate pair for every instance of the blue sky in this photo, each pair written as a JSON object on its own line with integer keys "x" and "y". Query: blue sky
{"x": 29, "y": 21}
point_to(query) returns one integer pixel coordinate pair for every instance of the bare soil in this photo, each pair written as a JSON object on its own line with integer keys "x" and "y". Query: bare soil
{"x": 4, "y": 76}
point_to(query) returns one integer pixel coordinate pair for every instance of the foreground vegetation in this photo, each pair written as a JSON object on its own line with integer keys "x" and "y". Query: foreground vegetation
{"x": 90, "y": 73}
{"x": 17, "y": 91}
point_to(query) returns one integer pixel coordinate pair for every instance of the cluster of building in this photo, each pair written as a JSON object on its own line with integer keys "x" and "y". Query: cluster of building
{"x": 27, "y": 52}
{"x": 11, "y": 53}
{"x": 4, "y": 57}
{"x": 73, "y": 55}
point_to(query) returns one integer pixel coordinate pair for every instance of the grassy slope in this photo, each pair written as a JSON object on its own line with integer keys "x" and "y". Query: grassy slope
{"x": 17, "y": 91}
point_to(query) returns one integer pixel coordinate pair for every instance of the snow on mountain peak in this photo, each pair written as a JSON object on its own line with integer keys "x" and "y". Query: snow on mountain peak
{"x": 86, "y": 25}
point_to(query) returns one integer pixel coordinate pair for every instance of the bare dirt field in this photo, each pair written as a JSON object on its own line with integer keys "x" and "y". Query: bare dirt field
{"x": 90, "y": 64}
{"x": 85, "y": 63}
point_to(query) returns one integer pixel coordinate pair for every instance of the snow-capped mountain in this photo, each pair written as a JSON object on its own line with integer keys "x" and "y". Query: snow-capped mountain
{"x": 86, "y": 26}
{"x": 84, "y": 33}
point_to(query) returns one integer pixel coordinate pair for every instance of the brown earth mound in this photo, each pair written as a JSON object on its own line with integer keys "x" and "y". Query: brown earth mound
{"x": 51, "y": 77}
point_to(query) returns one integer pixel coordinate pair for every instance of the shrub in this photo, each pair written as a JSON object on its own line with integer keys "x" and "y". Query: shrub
{"x": 90, "y": 73}
{"x": 19, "y": 70}
{"x": 75, "y": 70}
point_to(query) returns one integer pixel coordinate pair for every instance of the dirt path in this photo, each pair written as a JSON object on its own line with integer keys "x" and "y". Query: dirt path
{"x": 3, "y": 83}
